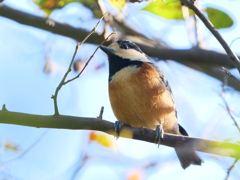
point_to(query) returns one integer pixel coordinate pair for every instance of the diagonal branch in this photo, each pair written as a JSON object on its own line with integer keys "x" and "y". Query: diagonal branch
{"x": 88, "y": 60}
{"x": 143, "y": 134}
{"x": 230, "y": 74}
{"x": 228, "y": 108}
{"x": 27, "y": 150}
{"x": 231, "y": 168}
{"x": 49, "y": 25}
{"x": 213, "y": 30}
{"x": 232, "y": 117}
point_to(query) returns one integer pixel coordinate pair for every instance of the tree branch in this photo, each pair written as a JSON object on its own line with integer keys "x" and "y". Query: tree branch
{"x": 195, "y": 55}
{"x": 86, "y": 64}
{"x": 215, "y": 33}
{"x": 143, "y": 134}
{"x": 200, "y": 59}
{"x": 230, "y": 74}
{"x": 206, "y": 61}
{"x": 49, "y": 25}
{"x": 63, "y": 82}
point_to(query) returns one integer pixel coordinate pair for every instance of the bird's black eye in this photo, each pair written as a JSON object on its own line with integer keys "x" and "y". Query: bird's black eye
{"x": 124, "y": 46}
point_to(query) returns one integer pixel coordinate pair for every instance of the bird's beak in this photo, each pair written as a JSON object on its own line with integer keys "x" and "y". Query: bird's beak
{"x": 107, "y": 50}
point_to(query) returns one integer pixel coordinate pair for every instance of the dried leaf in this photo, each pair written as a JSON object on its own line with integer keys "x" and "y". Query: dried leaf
{"x": 102, "y": 139}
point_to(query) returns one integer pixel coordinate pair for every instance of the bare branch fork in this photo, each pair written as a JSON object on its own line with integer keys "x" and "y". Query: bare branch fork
{"x": 143, "y": 134}
{"x": 213, "y": 30}
{"x": 89, "y": 59}
{"x": 63, "y": 82}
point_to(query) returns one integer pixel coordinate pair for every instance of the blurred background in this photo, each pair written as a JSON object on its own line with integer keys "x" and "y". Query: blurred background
{"x": 34, "y": 59}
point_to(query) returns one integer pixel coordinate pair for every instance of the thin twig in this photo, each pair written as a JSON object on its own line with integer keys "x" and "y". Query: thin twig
{"x": 4, "y": 107}
{"x": 54, "y": 97}
{"x": 28, "y": 149}
{"x": 196, "y": 31}
{"x": 230, "y": 74}
{"x": 234, "y": 120}
{"x": 185, "y": 14}
{"x": 106, "y": 19}
{"x": 88, "y": 60}
{"x": 101, "y": 113}
{"x": 233, "y": 41}
{"x": 213, "y": 30}
{"x": 82, "y": 162}
{"x": 230, "y": 168}
{"x": 229, "y": 110}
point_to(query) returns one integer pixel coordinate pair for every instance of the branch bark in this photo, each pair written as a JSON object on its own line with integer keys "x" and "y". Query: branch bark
{"x": 143, "y": 134}
{"x": 49, "y": 25}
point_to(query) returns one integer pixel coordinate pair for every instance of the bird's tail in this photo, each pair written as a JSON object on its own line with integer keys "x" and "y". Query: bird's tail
{"x": 187, "y": 157}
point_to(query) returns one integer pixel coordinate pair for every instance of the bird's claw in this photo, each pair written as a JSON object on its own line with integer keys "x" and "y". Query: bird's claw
{"x": 159, "y": 134}
{"x": 117, "y": 127}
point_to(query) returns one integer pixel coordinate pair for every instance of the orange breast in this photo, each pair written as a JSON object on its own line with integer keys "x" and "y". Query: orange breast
{"x": 139, "y": 99}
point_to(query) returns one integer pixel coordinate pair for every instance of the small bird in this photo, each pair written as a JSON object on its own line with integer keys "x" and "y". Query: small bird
{"x": 140, "y": 94}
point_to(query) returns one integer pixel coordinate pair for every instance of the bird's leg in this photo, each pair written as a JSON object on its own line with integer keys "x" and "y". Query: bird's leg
{"x": 159, "y": 134}
{"x": 117, "y": 127}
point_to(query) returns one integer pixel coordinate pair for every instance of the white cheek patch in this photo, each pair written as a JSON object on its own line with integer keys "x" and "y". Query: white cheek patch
{"x": 131, "y": 54}
{"x": 124, "y": 74}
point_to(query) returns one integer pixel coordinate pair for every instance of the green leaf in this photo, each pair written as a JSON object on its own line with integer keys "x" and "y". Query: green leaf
{"x": 219, "y": 18}
{"x": 169, "y": 9}
{"x": 49, "y": 5}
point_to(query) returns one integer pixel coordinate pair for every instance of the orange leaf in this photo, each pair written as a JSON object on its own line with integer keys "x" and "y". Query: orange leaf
{"x": 102, "y": 139}
{"x": 136, "y": 175}
{"x": 49, "y": 4}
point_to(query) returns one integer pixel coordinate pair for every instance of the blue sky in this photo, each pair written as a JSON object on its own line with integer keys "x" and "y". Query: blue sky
{"x": 25, "y": 88}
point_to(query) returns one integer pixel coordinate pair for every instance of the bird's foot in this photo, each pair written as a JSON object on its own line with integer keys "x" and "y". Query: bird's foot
{"x": 159, "y": 134}
{"x": 117, "y": 127}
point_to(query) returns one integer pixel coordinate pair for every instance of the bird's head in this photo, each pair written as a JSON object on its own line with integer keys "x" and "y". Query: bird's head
{"x": 126, "y": 50}
{"x": 122, "y": 54}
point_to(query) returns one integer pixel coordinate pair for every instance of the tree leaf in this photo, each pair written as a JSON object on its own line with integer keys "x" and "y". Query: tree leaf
{"x": 219, "y": 18}
{"x": 9, "y": 146}
{"x": 102, "y": 139}
{"x": 169, "y": 9}
{"x": 118, "y": 3}
{"x": 49, "y": 5}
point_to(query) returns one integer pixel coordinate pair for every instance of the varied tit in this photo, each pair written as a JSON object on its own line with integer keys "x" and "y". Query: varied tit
{"x": 140, "y": 94}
